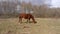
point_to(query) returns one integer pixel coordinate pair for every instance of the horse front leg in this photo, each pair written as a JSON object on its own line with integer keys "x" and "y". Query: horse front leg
{"x": 28, "y": 20}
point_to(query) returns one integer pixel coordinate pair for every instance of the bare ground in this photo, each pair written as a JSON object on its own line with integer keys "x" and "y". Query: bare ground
{"x": 43, "y": 26}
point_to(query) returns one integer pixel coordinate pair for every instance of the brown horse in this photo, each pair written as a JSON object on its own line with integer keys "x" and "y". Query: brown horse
{"x": 26, "y": 16}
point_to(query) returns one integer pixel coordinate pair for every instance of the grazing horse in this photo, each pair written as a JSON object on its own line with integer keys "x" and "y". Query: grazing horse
{"x": 26, "y": 16}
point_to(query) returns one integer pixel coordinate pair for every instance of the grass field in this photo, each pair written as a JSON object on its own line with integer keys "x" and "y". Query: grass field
{"x": 43, "y": 26}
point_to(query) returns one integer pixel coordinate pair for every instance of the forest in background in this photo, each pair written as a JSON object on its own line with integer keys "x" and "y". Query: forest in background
{"x": 9, "y": 9}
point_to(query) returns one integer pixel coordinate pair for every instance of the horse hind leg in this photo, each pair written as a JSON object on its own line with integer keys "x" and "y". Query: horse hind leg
{"x": 20, "y": 20}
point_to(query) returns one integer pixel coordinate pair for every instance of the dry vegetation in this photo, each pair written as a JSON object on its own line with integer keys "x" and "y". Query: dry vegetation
{"x": 43, "y": 26}
{"x": 9, "y": 9}
{"x": 9, "y": 23}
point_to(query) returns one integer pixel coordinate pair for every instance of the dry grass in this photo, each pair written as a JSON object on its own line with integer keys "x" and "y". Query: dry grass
{"x": 43, "y": 26}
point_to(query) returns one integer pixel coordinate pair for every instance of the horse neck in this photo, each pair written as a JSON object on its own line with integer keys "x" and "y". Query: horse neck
{"x": 33, "y": 19}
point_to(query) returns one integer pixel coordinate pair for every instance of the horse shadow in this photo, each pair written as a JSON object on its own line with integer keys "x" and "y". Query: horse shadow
{"x": 29, "y": 22}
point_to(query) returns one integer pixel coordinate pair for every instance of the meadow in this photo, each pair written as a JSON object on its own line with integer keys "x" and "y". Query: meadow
{"x": 43, "y": 26}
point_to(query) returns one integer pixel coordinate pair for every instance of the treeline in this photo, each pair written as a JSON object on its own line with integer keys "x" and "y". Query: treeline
{"x": 43, "y": 10}
{"x": 9, "y": 9}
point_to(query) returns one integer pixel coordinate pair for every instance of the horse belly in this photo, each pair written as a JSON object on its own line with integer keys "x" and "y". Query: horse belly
{"x": 26, "y": 17}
